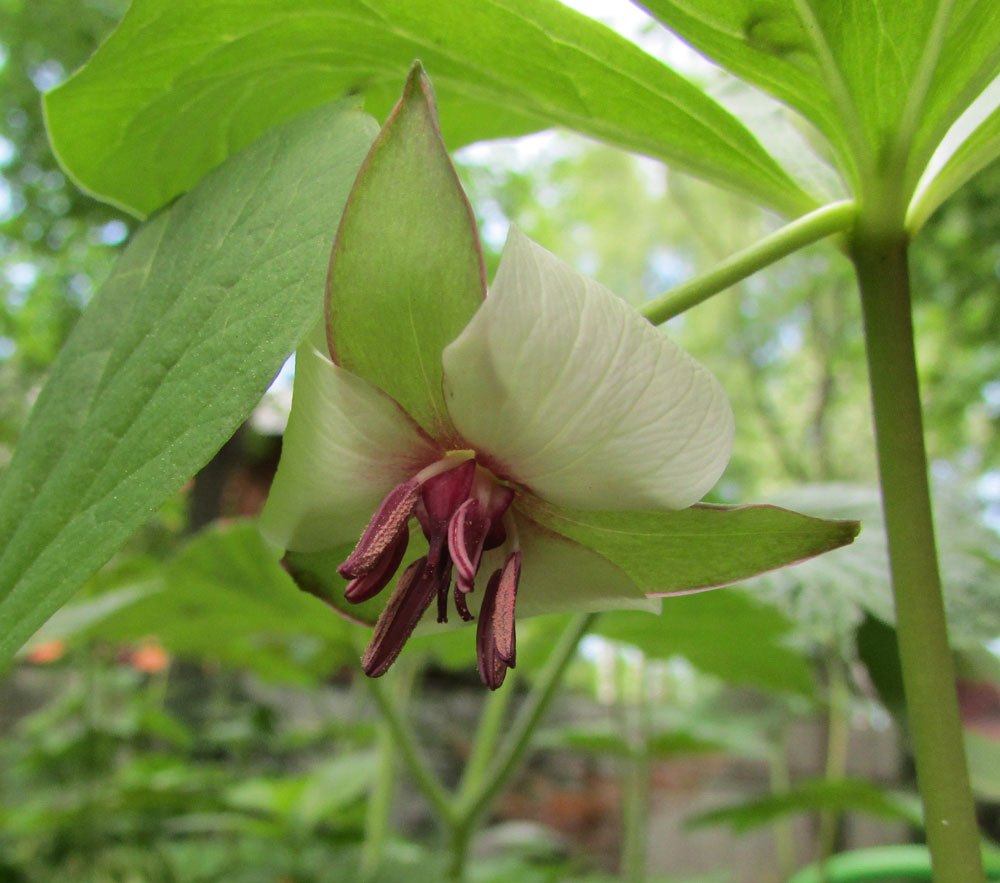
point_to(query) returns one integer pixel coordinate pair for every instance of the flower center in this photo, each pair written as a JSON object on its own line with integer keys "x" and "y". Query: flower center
{"x": 462, "y": 510}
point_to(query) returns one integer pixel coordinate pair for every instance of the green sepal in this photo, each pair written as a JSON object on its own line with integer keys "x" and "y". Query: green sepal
{"x": 700, "y": 547}
{"x": 407, "y": 269}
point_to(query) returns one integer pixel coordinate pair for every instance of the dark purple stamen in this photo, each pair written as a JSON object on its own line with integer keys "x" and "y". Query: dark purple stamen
{"x": 368, "y": 586}
{"x": 385, "y": 526}
{"x": 495, "y": 636}
{"x": 413, "y": 594}
{"x": 460, "y": 510}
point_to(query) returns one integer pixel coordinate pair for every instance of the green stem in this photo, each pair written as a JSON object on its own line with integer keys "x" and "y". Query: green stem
{"x": 491, "y": 723}
{"x": 379, "y": 805}
{"x": 833, "y": 218}
{"x": 880, "y": 261}
{"x": 781, "y": 782}
{"x": 636, "y": 808}
{"x": 380, "y": 800}
{"x": 837, "y": 738}
{"x": 406, "y": 744}
{"x": 516, "y": 742}
{"x": 636, "y": 819}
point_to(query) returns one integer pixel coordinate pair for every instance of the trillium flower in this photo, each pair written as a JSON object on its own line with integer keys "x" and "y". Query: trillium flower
{"x": 502, "y": 456}
{"x": 558, "y": 393}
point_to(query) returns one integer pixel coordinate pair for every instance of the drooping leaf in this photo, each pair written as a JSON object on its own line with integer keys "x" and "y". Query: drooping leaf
{"x": 171, "y": 356}
{"x": 699, "y": 547}
{"x": 724, "y": 633}
{"x": 407, "y": 270}
{"x": 213, "y": 75}
{"x": 842, "y": 795}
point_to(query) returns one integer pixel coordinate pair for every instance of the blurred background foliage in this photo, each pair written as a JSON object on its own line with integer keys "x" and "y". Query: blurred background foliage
{"x": 190, "y": 717}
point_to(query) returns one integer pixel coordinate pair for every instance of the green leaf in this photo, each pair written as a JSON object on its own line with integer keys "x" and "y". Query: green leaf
{"x": 226, "y": 598}
{"x": 971, "y": 145}
{"x": 843, "y": 795}
{"x": 829, "y": 595}
{"x": 212, "y": 75}
{"x": 725, "y": 633}
{"x": 882, "y": 80}
{"x": 766, "y": 44}
{"x": 699, "y": 547}
{"x": 407, "y": 271}
{"x": 170, "y": 357}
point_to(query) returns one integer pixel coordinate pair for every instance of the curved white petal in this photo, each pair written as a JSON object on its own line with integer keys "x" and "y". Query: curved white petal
{"x": 575, "y": 395}
{"x": 347, "y": 444}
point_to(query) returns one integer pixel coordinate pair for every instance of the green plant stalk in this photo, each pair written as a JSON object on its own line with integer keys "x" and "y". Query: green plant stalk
{"x": 879, "y": 254}
{"x": 380, "y": 800}
{"x": 833, "y": 218}
{"x": 409, "y": 751}
{"x": 491, "y": 722}
{"x": 469, "y": 809}
{"x": 379, "y": 805}
{"x": 636, "y": 817}
{"x": 837, "y": 738}
{"x": 780, "y": 779}
{"x": 637, "y": 785}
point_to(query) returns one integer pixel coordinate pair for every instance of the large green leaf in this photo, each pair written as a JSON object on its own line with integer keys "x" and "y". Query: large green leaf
{"x": 407, "y": 271}
{"x": 699, "y": 547}
{"x": 724, "y": 633}
{"x": 882, "y": 80}
{"x": 171, "y": 356}
{"x": 211, "y": 75}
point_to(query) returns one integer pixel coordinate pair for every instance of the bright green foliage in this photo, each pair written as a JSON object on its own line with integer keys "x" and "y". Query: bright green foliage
{"x": 407, "y": 272}
{"x": 171, "y": 356}
{"x": 882, "y": 80}
{"x": 214, "y": 75}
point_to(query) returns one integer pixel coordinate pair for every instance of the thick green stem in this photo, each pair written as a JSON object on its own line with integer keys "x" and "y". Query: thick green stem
{"x": 834, "y": 218}
{"x": 880, "y": 261}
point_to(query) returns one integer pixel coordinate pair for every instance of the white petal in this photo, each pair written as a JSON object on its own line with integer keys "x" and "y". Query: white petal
{"x": 572, "y": 393}
{"x": 347, "y": 444}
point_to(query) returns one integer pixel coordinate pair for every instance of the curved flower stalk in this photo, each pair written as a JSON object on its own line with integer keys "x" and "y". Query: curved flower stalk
{"x": 479, "y": 446}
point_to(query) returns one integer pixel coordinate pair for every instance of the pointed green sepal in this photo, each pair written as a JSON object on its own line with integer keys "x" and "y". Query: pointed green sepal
{"x": 702, "y": 547}
{"x": 407, "y": 269}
